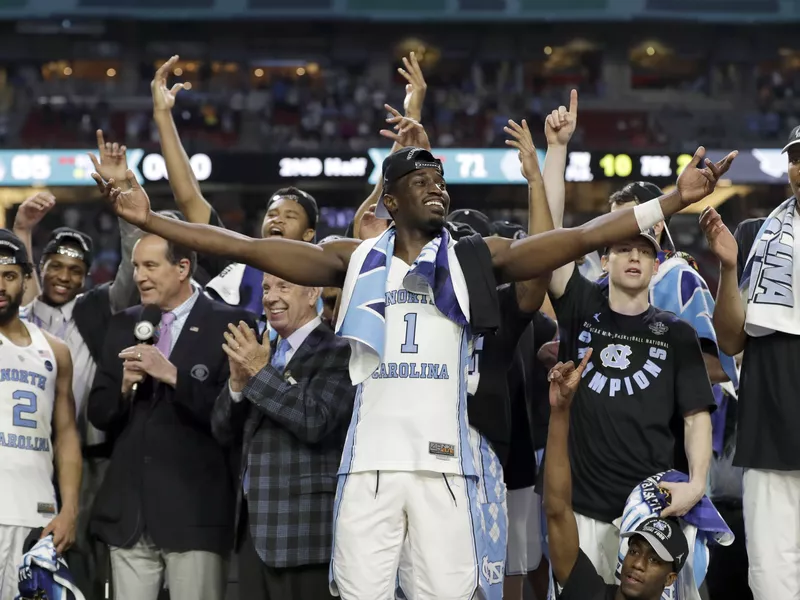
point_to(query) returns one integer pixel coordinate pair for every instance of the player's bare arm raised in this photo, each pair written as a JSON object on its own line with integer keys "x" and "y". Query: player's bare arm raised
{"x": 298, "y": 262}
{"x": 533, "y": 256}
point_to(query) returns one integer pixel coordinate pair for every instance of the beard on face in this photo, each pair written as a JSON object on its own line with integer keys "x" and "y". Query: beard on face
{"x": 11, "y": 310}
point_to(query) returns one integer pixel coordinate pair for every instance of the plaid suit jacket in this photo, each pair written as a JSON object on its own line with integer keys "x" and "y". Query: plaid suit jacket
{"x": 292, "y": 427}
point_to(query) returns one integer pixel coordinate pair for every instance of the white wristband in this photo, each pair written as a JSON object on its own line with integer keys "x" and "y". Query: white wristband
{"x": 648, "y": 214}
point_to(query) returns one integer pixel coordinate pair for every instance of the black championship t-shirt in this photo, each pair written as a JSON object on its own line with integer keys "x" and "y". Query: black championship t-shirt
{"x": 769, "y": 410}
{"x": 488, "y": 406}
{"x": 644, "y": 369}
{"x": 585, "y": 584}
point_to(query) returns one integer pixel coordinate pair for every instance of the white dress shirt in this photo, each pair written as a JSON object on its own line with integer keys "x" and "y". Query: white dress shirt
{"x": 58, "y": 322}
{"x": 295, "y": 340}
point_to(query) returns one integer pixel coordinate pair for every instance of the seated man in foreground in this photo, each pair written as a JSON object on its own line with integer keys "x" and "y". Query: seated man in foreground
{"x": 657, "y": 550}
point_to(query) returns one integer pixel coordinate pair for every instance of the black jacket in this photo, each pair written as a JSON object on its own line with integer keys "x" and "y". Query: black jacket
{"x": 168, "y": 475}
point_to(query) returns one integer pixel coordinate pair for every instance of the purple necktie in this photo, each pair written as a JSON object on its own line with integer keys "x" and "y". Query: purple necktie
{"x": 165, "y": 333}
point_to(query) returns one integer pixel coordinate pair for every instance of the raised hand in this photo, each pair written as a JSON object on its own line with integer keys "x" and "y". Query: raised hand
{"x": 33, "y": 210}
{"x": 560, "y": 124}
{"x": 113, "y": 162}
{"x": 564, "y": 380}
{"x": 719, "y": 238}
{"x": 415, "y": 88}
{"x": 133, "y": 204}
{"x": 529, "y": 161}
{"x": 164, "y": 97}
{"x": 408, "y": 132}
{"x": 696, "y": 183}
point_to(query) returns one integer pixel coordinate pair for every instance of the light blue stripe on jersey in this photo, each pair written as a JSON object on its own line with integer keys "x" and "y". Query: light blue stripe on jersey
{"x": 337, "y": 502}
{"x": 464, "y": 360}
{"x": 348, "y": 454}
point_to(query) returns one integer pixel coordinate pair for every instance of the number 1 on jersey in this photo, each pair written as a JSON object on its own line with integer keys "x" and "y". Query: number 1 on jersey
{"x": 24, "y": 408}
{"x": 409, "y": 347}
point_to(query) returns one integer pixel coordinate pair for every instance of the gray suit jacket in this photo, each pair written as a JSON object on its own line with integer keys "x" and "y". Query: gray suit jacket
{"x": 292, "y": 427}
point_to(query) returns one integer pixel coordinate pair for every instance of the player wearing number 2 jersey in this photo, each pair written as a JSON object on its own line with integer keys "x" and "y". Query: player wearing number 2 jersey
{"x": 415, "y": 460}
{"x": 37, "y": 425}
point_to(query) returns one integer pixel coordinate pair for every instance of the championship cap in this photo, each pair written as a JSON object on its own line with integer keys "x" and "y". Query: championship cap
{"x": 70, "y": 242}
{"x": 666, "y": 537}
{"x": 475, "y": 219}
{"x": 649, "y": 235}
{"x": 509, "y": 229}
{"x": 12, "y": 246}
{"x": 794, "y": 138}
{"x": 401, "y": 163}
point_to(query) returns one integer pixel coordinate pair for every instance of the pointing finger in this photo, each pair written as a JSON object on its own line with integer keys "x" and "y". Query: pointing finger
{"x": 101, "y": 142}
{"x": 573, "y": 103}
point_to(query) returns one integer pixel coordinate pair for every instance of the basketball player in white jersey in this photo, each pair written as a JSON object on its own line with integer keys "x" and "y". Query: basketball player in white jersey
{"x": 409, "y": 470}
{"x": 37, "y": 425}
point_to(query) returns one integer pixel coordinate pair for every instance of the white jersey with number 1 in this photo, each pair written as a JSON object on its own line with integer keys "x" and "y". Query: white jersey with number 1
{"x": 410, "y": 414}
{"x": 27, "y": 398}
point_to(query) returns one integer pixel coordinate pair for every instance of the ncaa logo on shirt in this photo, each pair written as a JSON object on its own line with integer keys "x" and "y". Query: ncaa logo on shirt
{"x": 659, "y": 328}
{"x": 615, "y": 356}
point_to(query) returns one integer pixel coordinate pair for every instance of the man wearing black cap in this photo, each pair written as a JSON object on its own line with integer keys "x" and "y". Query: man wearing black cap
{"x": 647, "y": 370}
{"x": 79, "y": 318}
{"x": 761, "y": 259}
{"x": 39, "y": 442}
{"x": 401, "y": 329}
{"x": 657, "y": 548}
{"x": 678, "y": 286}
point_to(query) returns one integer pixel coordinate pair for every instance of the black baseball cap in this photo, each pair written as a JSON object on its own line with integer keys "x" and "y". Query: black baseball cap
{"x": 70, "y": 242}
{"x": 304, "y": 199}
{"x": 475, "y": 219}
{"x": 17, "y": 254}
{"x": 794, "y": 138}
{"x": 509, "y": 229}
{"x": 401, "y": 163}
{"x": 666, "y": 537}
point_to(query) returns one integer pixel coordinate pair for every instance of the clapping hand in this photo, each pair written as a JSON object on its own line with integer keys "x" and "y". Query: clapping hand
{"x": 246, "y": 355}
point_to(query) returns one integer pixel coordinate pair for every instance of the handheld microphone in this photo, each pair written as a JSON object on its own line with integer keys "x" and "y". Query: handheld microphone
{"x": 145, "y": 329}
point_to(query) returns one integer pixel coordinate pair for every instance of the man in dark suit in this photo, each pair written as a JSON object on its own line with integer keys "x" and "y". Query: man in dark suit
{"x": 290, "y": 405}
{"x": 166, "y": 505}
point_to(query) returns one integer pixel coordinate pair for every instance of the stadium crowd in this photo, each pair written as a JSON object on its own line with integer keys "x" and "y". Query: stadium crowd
{"x": 562, "y": 405}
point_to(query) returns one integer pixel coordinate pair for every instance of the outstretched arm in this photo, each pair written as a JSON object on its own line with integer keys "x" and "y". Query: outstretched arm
{"x": 298, "y": 262}
{"x": 534, "y": 256}
{"x": 182, "y": 181}
{"x": 558, "y": 129}
{"x": 562, "y": 528}
{"x": 530, "y": 294}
